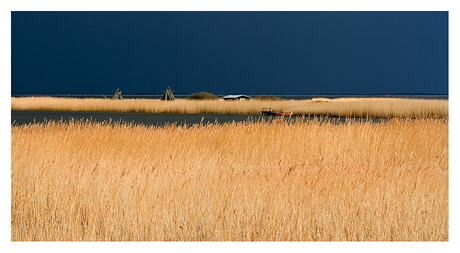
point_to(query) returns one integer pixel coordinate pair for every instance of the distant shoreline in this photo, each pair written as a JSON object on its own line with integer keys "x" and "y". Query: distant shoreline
{"x": 287, "y": 97}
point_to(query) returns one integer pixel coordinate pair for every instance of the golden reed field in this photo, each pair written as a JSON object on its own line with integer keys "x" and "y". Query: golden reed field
{"x": 252, "y": 181}
{"x": 340, "y": 107}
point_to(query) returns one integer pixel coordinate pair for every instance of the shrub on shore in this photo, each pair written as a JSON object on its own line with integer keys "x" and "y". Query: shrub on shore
{"x": 203, "y": 96}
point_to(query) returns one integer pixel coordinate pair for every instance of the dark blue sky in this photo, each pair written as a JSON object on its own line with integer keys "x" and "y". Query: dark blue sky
{"x": 230, "y": 52}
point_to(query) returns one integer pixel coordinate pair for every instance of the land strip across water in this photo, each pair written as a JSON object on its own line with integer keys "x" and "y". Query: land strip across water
{"x": 339, "y": 107}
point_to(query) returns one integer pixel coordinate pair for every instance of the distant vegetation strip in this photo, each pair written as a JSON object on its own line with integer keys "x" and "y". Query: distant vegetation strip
{"x": 266, "y": 181}
{"x": 268, "y": 98}
{"x": 340, "y": 107}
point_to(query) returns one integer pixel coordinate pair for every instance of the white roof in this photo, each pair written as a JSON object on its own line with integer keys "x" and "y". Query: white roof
{"x": 237, "y": 96}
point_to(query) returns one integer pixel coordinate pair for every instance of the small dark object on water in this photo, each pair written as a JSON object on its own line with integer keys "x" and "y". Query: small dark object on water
{"x": 271, "y": 112}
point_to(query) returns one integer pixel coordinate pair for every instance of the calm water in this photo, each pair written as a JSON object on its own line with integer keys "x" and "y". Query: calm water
{"x": 26, "y": 117}
{"x": 156, "y": 119}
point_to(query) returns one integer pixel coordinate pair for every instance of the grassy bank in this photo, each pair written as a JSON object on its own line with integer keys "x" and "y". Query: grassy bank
{"x": 350, "y": 107}
{"x": 310, "y": 181}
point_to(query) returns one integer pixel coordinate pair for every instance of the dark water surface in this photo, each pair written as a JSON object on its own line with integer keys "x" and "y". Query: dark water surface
{"x": 156, "y": 119}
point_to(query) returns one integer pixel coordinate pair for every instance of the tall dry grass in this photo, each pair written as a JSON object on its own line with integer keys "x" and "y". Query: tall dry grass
{"x": 367, "y": 107}
{"x": 277, "y": 181}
